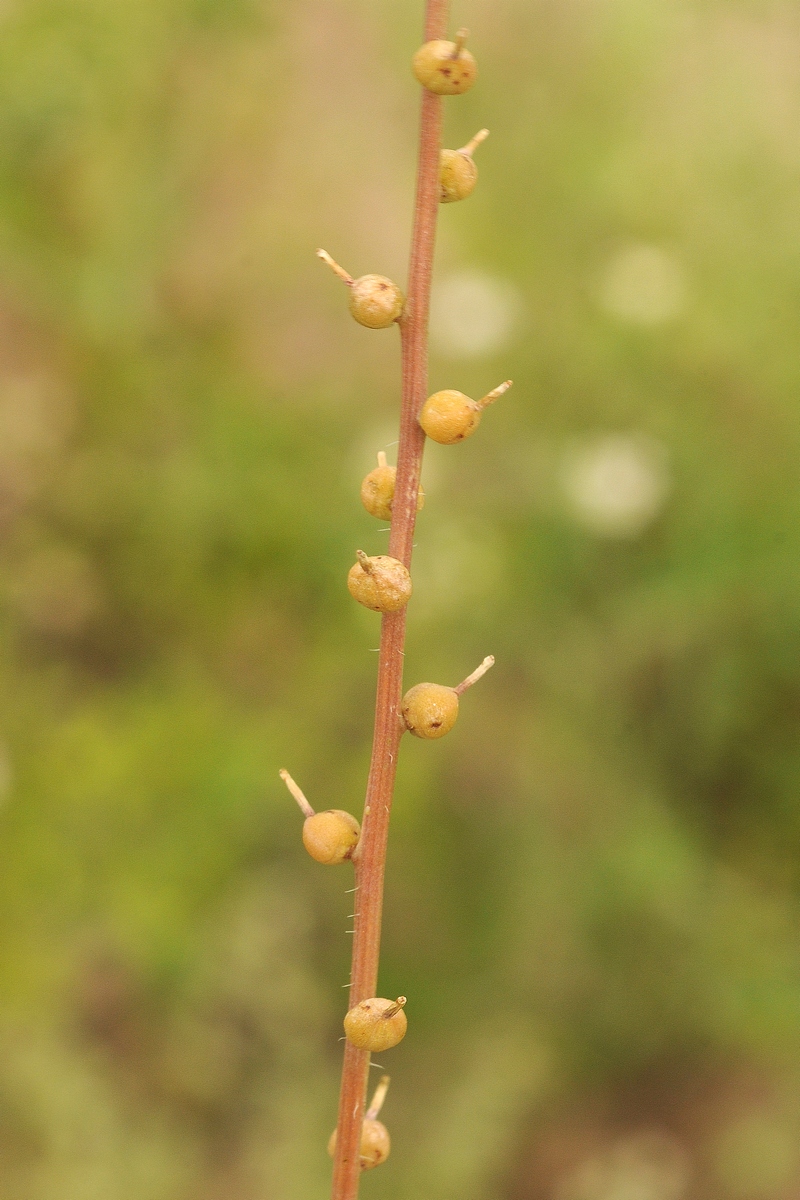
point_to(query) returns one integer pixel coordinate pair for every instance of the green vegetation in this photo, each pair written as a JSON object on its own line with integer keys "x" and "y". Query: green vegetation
{"x": 592, "y": 892}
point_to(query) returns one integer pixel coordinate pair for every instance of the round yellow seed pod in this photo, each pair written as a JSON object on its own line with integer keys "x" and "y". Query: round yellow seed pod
{"x": 445, "y": 68}
{"x": 458, "y": 175}
{"x": 377, "y": 492}
{"x": 430, "y": 710}
{"x": 331, "y": 836}
{"x": 376, "y": 1024}
{"x": 375, "y": 1144}
{"x": 449, "y": 417}
{"x": 381, "y": 583}
{"x": 375, "y": 301}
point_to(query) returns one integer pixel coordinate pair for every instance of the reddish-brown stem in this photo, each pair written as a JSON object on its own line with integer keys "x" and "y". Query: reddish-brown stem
{"x": 370, "y": 859}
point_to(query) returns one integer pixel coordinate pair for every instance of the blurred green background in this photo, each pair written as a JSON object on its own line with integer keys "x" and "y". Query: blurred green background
{"x": 592, "y": 895}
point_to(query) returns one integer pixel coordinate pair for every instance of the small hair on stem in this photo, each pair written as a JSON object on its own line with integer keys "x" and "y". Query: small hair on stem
{"x": 305, "y": 807}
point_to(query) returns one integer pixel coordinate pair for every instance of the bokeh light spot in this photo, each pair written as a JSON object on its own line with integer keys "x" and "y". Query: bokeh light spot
{"x": 617, "y": 484}
{"x": 473, "y": 314}
{"x": 644, "y": 285}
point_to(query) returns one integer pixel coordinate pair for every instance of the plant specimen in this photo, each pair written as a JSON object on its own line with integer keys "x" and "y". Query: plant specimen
{"x": 383, "y": 583}
{"x": 375, "y": 1141}
{"x": 450, "y": 416}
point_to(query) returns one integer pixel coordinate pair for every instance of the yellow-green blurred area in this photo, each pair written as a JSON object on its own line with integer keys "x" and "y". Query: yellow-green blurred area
{"x": 592, "y": 884}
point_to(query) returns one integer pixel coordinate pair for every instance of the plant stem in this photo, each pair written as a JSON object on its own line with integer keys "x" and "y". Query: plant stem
{"x": 370, "y": 857}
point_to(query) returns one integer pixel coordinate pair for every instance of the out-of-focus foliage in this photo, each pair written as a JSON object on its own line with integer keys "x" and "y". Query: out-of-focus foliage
{"x": 592, "y": 897}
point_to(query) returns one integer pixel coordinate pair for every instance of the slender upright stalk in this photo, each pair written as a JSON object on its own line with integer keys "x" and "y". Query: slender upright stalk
{"x": 371, "y": 855}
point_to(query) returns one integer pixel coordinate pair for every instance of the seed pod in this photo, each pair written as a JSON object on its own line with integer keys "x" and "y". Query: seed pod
{"x": 331, "y": 836}
{"x": 374, "y": 300}
{"x": 381, "y": 583}
{"x": 430, "y": 710}
{"x": 375, "y": 1144}
{"x": 376, "y": 1024}
{"x": 458, "y": 173}
{"x": 450, "y": 416}
{"x": 445, "y": 68}
{"x": 377, "y": 490}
